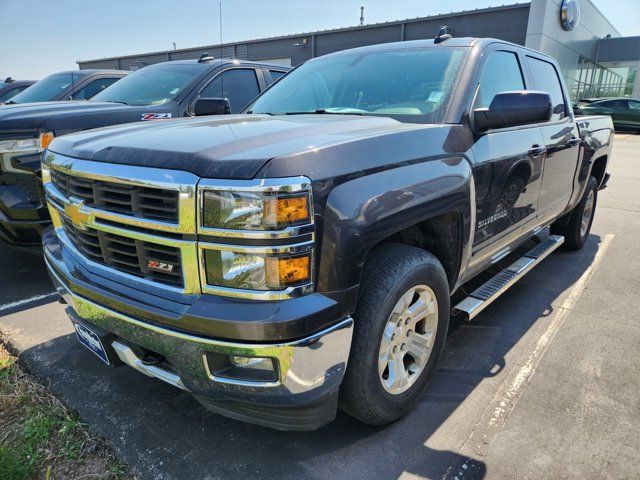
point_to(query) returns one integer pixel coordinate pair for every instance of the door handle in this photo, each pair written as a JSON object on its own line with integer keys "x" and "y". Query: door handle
{"x": 574, "y": 141}
{"x": 536, "y": 151}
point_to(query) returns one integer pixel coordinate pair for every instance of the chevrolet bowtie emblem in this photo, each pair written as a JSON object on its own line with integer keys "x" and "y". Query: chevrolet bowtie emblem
{"x": 77, "y": 217}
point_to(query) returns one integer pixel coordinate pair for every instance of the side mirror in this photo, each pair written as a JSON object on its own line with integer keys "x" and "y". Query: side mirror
{"x": 510, "y": 109}
{"x": 211, "y": 106}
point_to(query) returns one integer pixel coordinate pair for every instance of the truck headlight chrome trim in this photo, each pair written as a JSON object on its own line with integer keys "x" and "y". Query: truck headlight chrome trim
{"x": 257, "y": 272}
{"x": 262, "y": 208}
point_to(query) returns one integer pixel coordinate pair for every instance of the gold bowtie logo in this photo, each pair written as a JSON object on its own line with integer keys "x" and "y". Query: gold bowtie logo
{"x": 77, "y": 217}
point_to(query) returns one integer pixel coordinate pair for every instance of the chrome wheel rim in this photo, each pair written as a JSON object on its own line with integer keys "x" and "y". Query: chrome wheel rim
{"x": 407, "y": 340}
{"x": 586, "y": 214}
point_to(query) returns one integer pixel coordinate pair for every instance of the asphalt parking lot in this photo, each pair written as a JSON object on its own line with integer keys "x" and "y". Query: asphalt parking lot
{"x": 544, "y": 384}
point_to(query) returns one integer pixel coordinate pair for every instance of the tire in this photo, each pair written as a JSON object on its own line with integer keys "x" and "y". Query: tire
{"x": 576, "y": 232}
{"x": 390, "y": 273}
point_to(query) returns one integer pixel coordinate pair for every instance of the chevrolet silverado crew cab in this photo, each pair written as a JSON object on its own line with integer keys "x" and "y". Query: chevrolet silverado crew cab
{"x": 307, "y": 254}
{"x": 161, "y": 91}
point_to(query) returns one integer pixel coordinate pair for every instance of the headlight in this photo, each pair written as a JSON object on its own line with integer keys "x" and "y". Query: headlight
{"x": 256, "y": 212}
{"x": 260, "y": 271}
{"x": 36, "y": 144}
{"x": 264, "y": 205}
{"x": 19, "y": 145}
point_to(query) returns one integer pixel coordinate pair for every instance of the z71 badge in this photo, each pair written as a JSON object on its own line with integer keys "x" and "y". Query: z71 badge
{"x": 160, "y": 266}
{"x": 155, "y": 116}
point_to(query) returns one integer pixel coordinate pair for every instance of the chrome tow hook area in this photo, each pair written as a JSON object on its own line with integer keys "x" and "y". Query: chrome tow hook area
{"x": 147, "y": 365}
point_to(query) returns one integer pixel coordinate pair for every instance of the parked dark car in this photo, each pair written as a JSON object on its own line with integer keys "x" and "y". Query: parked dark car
{"x": 157, "y": 92}
{"x": 307, "y": 254}
{"x": 73, "y": 85}
{"x": 625, "y": 112}
{"x": 9, "y": 88}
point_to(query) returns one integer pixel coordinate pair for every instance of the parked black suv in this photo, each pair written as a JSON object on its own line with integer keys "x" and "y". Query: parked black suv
{"x": 157, "y": 92}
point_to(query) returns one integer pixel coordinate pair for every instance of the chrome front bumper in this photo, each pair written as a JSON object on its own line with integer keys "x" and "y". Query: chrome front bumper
{"x": 309, "y": 370}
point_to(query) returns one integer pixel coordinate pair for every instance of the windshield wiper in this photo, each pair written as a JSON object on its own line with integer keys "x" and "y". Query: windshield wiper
{"x": 324, "y": 111}
{"x": 114, "y": 101}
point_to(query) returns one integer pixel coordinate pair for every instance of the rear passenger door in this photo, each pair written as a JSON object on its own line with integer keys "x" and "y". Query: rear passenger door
{"x": 561, "y": 139}
{"x": 508, "y": 161}
{"x": 631, "y": 115}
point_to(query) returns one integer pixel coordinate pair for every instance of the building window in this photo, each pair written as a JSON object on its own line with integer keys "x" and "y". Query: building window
{"x": 593, "y": 80}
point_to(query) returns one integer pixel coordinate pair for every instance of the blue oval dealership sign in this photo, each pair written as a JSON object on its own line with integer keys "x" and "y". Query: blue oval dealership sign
{"x": 569, "y": 14}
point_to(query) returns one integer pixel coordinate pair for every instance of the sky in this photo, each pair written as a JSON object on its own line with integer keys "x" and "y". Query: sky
{"x": 39, "y": 37}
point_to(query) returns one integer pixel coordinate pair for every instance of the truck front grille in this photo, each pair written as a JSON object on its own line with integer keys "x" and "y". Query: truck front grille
{"x": 141, "y": 202}
{"x": 151, "y": 261}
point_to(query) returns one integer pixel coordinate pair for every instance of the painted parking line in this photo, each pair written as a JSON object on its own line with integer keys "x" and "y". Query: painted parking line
{"x": 27, "y": 301}
{"x": 506, "y": 397}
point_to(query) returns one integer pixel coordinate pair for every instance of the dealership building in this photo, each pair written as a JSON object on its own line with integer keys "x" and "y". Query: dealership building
{"x": 595, "y": 59}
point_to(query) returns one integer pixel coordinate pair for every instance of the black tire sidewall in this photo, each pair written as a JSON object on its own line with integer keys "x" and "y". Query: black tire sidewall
{"x": 576, "y": 222}
{"x": 386, "y": 406}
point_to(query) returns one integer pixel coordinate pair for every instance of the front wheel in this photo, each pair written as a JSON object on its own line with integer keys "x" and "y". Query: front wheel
{"x": 400, "y": 325}
{"x": 576, "y": 229}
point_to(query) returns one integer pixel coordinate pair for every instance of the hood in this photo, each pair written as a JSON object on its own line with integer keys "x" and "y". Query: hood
{"x": 234, "y": 146}
{"x": 65, "y": 117}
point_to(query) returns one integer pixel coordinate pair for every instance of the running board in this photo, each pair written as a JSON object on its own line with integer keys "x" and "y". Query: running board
{"x": 484, "y": 295}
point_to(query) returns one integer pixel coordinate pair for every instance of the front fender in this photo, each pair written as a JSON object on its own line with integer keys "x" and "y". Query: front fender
{"x": 362, "y": 212}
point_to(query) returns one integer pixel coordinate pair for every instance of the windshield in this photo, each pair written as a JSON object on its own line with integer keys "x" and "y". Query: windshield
{"x": 411, "y": 85}
{"x": 153, "y": 85}
{"x": 44, "y": 90}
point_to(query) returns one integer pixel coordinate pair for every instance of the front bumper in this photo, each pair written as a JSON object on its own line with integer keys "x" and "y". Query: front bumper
{"x": 309, "y": 370}
{"x": 23, "y": 213}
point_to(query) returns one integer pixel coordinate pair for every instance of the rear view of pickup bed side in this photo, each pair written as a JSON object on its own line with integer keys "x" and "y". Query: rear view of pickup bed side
{"x": 307, "y": 254}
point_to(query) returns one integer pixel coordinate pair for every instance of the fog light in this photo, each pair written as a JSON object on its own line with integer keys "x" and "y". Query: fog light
{"x": 257, "y": 363}
{"x": 238, "y": 369}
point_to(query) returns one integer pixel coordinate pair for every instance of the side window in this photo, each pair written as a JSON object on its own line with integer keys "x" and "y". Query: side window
{"x": 634, "y": 105}
{"x": 238, "y": 85}
{"x": 88, "y": 91}
{"x": 275, "y": 75}
{"x": 501, "y": 73}
{"x": 615, "y": 104}
{"x": 545, "y": 79}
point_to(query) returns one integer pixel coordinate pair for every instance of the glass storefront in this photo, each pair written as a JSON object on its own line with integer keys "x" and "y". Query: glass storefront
{"x": 593, "y": 80}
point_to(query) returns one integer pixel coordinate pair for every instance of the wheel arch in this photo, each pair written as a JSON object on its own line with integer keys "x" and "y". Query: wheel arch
{"x": 434, "y": 212}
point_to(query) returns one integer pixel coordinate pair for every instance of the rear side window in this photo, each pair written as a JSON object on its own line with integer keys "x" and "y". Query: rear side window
{"x": 239, "y": 86}
{"x": 634, "y": 105}
{"x": 501, "y": 73}
{"x": 545, "y": 79}
{"x": 88, "y": 91}
{"x": 275, "y": 75}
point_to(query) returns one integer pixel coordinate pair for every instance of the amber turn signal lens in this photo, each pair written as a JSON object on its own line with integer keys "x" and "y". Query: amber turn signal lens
{"x": 283, "y": 272}
{"x": 287, "y": 210}
{"x": 45, "y": 139}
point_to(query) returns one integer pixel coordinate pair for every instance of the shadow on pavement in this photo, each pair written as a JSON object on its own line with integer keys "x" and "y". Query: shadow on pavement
{"x": 166, "y": 434}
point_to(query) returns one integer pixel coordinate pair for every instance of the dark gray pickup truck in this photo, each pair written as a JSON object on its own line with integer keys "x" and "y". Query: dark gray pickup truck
{"x": 157, "y": 92}
{"x": 308, "y": 254}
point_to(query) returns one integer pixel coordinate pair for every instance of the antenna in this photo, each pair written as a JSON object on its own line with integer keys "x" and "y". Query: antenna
{"x": 174, "y": 45}
{"x": 361, "y": 16}
{"x": 222, "y": 73}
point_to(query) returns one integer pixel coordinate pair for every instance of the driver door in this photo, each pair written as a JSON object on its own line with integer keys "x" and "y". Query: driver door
{"x": 508, "y": 162}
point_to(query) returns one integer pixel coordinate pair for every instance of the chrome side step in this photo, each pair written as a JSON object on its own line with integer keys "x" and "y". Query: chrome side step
{"x": 484, "y": 295}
